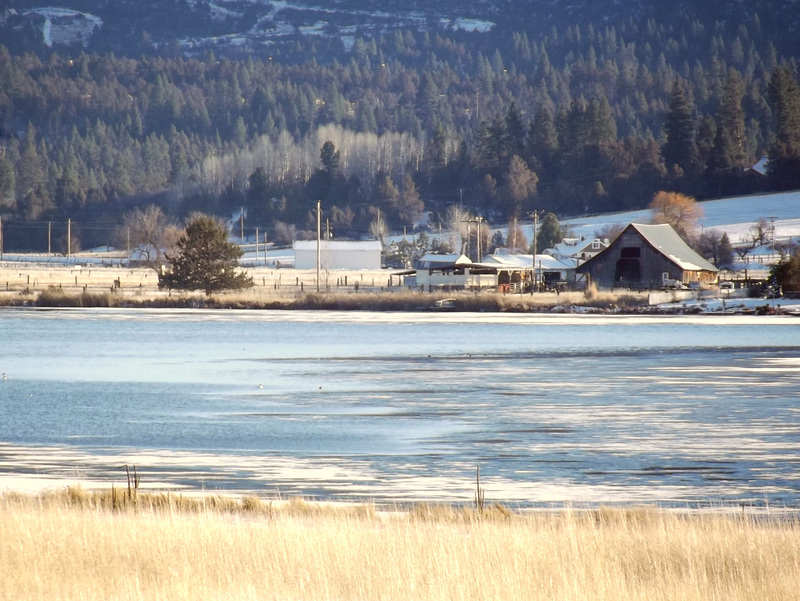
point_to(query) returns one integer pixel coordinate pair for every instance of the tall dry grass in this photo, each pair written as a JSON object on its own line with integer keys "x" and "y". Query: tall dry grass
{"x": 65, "y": 286}
{"x": 75, "y": 549}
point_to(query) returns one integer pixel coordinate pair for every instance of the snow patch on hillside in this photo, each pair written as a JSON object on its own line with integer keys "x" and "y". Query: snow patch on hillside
{"x": 64, "y": 25}
{"x": 465, "y": 24}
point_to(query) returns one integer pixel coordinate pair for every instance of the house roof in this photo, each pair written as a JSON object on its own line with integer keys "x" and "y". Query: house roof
{"x": 667, "y": 241}
{"x": 434, "y": 260}
{"x": 525, "y": 262}
{"x": 761, "y": 166}
{"x": 574, "y": 246}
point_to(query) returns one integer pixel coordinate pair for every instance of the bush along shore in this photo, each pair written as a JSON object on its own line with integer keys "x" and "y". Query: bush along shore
{"x": 403, "y": 300}
{"x": 585, "y": 302}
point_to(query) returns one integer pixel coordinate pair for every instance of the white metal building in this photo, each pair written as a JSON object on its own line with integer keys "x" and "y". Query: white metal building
{"x": 337, "y": 254}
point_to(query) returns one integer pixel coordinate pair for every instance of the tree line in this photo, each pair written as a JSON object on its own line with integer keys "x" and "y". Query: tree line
{"x": 583, "y": 120}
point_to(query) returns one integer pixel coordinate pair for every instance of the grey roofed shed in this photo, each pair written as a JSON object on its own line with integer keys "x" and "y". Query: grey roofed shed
{"x": 648, "y": 256}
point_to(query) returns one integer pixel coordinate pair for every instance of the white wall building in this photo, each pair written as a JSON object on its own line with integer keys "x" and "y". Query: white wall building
{"x": 337, "y": 254}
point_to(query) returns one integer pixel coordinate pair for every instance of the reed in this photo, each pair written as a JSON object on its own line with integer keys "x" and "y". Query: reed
{"x": 53, "y": 297}
{"x": 70, "y": 546}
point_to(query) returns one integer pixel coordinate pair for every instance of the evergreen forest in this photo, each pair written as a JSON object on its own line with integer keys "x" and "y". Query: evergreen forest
{"x": 394, "y": 127}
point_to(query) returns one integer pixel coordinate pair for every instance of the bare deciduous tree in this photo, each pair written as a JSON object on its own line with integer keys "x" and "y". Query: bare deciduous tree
{"x": 456, "y": 221}
{"x": 284, "y": 233}
{"x": 610, "y": 231}
{"x": 760, "y": 231}
{"x": 678, "y": 210}
{"x": 287, "y": 160}
{"x": 377, "y": 226}
{"x": 148, "y": 233}
{"x": 516, "y": 241}
{"x": 521, "y": 183}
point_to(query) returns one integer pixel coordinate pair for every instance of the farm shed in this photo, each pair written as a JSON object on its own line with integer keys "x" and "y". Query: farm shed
{"x": 337, "y": 254}
{"x": 508, "y": 273}
{"x": 648, "y": 256}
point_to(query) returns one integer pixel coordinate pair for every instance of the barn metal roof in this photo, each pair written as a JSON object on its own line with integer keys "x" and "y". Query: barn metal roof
{"x": 667, "y": 241}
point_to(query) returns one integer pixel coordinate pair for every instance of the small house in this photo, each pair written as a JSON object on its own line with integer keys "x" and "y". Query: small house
{"x": 577, "y": 250}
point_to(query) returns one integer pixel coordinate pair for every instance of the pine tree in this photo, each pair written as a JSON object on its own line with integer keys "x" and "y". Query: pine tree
{"x": 725, "y": 251}
{"x": 680, "y": 148}
{"x": 549, "y": 233}
{"x": 7, "y": 182}
{"x": 330, "y": 159}
{"x": 784, "y": 153}
{"x": 387, "y": 197}
{"x": 205, "y": 260}
{"x": 730, "y": 120}
{"x": 515, "y": 130}
{"x": 409, "y": 204}
{"x": 543, "y": 139}
{"x": 600, "y": 123}
{"x": 30, "y": 175}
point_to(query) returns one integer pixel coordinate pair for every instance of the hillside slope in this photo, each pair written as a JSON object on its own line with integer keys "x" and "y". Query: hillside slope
{"x": 236, "y": 27}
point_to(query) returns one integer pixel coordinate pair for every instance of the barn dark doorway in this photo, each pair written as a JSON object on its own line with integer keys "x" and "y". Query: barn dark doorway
{"x": 629, "y": 269}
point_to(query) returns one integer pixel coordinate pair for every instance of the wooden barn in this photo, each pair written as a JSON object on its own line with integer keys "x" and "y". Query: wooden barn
{"x": 648, "y": 256}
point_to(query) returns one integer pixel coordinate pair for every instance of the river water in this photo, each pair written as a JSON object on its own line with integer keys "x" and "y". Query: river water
{"x": 399, "y": 406}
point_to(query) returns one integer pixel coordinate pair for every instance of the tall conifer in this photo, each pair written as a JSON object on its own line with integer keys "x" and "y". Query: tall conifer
{"x": 680, "y": 148}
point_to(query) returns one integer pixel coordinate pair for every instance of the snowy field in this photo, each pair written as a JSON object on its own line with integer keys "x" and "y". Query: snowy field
{"x": 732, "y": 215}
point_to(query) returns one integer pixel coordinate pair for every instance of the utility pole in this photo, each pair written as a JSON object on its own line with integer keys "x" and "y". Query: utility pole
{"x": 480, "y": 235}
{"x": 513, "y": 235}
{"x": 49, "y": 237}
{"x": 241, "y": 224}
{"x": 534, "y": 281}
{"x": 469, "y": 222}
{"x": 1, "y": 238}
{"x": 256, "y": 244}
{"x": 69, "y": 238}
{"x": 772, "y": 221}
{"x": 319, "y": 233}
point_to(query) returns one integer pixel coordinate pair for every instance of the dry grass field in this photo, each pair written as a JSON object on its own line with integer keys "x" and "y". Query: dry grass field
{"x": 70, "y": 546}
{"x": 24, "y": 282}
{"x": 27, "y": 279}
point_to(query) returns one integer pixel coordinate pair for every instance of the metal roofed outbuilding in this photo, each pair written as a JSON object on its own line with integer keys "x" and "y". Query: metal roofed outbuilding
{"x": 648, "y": 256}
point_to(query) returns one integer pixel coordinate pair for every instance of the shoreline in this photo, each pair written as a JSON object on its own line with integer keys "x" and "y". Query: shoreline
{"x": 32, "y": 285}
{"x": 42, "y": 470}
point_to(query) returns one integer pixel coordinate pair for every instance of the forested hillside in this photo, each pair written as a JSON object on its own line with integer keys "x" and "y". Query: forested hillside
{"x": 582, "y": 119}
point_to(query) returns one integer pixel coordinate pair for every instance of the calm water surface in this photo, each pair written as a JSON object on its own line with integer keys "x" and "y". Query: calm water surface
{"x": 400, "y": 406}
